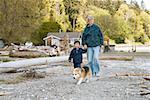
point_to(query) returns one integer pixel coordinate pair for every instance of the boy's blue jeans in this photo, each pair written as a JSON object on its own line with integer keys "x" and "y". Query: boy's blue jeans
{"x": 93, "y": 56}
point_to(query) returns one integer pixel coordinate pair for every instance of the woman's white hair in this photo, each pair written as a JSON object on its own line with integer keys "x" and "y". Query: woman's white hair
{"x": 90, "y": 17}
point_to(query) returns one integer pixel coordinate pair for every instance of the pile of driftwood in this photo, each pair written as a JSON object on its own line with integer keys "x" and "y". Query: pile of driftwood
{"x": 132, "y": 74}
{"x": 33, "y": 51}
{"x": 26, "y": 54}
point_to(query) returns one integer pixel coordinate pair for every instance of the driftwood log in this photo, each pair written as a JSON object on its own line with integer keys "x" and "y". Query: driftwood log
{"x": 144, "y": 93}
{"x": 146, "y": 78}
{"x": 4, "y": 93}
{"x": 14, "y": 65}
{"x": 27, "y": 63}
{"x": 128, "y": 74}
{"x": 27, "y": 54}
{"x": 124, "y": 58}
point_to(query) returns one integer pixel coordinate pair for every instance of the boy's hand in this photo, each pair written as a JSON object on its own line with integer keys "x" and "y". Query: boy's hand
{"x": 69, "y": 60}
{"x": 85, "y": 46}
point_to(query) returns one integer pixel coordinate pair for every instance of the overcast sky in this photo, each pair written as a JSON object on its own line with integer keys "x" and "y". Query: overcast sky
{"x": 147, "y": 3}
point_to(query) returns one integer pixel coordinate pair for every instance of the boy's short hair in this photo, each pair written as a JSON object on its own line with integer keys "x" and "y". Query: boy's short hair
{"x": 77, "y": 42}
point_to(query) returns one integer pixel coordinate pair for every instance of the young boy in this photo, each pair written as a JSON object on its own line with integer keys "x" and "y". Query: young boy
{"x": 76, "y": 55}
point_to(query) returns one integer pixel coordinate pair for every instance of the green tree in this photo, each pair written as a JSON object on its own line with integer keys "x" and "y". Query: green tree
{"x": 74, "y": 9}
{"x": 22, "y": 20}
{"x": 19, "y": 19}
{"x": 38, "y": 35}
{"x": 111, "y": 5}
{"x": 115, "y": 27}
{"x": 145, "y": 18}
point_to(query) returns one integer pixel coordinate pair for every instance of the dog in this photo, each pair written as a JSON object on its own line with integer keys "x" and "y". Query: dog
{"x": 82, "y": 74}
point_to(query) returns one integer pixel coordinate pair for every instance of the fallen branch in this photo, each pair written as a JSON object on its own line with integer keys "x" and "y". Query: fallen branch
{"x": 32, "y": 74}
{"x": 4, "y": 93}
{"x": 127, "y": 74}
{"x": 27, "y": 75}
{"x": 144, "y": 87}
{"x": 8, "y": 70}
{"x": 4, "y": 53}
{"x": 146, "y": 78}
{"x": 124, "y": 58}
{"x": 144, "y": 93}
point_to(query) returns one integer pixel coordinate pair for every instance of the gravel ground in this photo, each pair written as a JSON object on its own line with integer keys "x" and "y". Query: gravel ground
{"x": 59, "y": 84}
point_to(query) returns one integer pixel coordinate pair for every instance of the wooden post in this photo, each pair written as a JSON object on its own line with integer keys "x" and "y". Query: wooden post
{"x": 65, "y": 43}
{"x": 45, "y": 42}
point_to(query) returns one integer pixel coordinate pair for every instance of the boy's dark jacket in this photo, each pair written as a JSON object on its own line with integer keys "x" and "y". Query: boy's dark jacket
{"x": 76, "y": 55}
{"x": 92, "y": 36}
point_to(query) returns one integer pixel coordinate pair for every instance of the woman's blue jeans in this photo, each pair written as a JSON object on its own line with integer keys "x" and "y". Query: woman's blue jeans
{"x": 93, "y": 59}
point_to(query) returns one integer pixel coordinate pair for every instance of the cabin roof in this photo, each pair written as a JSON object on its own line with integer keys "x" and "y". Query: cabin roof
{"x": 62, "y": 34}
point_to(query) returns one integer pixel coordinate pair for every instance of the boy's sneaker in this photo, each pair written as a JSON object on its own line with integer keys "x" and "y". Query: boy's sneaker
{"x": 93, "y": 79}
{"x": 96, "y": 74}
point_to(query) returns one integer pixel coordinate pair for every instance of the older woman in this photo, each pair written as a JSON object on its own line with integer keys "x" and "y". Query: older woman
{"x": 92, "y": 39}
